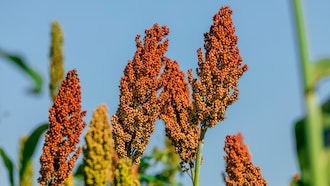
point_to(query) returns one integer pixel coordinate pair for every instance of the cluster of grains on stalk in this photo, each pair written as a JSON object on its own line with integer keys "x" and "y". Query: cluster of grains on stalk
{"x": 239, "y": 168}
{"x": 175, "y": 107}
{"x": 99, "y": 150}
{"x": 60, "y": 150}
{"x": 218, "y": 71}
{"x": 138, "y": 109}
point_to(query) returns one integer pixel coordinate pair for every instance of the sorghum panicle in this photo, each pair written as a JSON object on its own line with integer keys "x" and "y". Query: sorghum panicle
{"x": 175, "y": 105}
{"x": 239, "y": 168}
{"x": 218, "y": 71}
{"x": 138, "y": 110}
{"x": 98, "y": 154}
{"x": 60, "y": 150}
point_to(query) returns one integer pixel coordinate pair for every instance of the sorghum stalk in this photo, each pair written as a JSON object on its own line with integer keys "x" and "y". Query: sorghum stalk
{"x": 198, "y": 160}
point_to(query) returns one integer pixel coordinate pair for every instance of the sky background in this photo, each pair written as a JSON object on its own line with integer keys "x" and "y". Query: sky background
{"x": 99, "y": 39}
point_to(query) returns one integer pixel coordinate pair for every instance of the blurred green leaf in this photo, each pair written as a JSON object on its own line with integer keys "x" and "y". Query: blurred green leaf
{"x": 16, "y": 59}
{"x": 147, "y": 178}
{"x": 326, "y": 106}
{"x": 301, "y": 142}
{"x": 164, "y": 158}
{"x": 9, "y": 165}
{"x": 79, "y": 174}
{"x": 30, "y": 146}
{"x": 302, "y": 153}
{"x": 321, "y": 69}
{"x": 145, "y": 163}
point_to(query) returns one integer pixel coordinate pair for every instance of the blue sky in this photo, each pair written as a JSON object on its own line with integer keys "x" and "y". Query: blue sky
{"x": 99, "y": 39}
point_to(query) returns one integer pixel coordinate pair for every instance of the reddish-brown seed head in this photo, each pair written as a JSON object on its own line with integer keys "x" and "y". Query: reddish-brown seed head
{"x": 60, "y": 150}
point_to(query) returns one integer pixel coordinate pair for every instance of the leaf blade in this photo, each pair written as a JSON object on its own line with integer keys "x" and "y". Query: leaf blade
{"x": 30, "y": 146}
{"x": 9, "y": 165}
{"x": 18, "y": 60}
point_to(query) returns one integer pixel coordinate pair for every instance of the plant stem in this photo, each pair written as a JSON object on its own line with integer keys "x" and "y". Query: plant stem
{"x": 199, "y": 156}
{"x": 198, "y": 162}
{"x": 313, "y": 129}
{"x": 192, "y": 172}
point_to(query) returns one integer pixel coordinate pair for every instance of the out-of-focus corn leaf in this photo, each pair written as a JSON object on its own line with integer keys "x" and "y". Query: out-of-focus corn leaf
{"x": 30, "y": 146}
{"x": 321, "y": 69}
{"x": 9, "y": 165}
{"x": 16, "y": 59}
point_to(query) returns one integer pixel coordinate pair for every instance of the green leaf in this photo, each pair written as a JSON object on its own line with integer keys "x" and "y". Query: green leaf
{"x": 301, "y": 147}
{"x": 326, "y": 106}
{"x": 9, "y": 165}
{"x": 16, "y": 59}
{"x": 321, "y": 69}
{"x": 301, "y": 142}
{"x": 145, "y": 163}
{"x": 147, "y": 178}
{"x": 30, "y": 146}
{"x": 79, "y": 174}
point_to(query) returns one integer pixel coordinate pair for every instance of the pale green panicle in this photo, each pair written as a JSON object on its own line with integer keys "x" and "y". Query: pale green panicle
{"x": 56, "y": 59}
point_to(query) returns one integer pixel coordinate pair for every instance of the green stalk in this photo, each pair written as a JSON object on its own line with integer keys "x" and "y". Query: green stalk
{"x": 199, "y": 156}
{"x": 192, "y": 172}
{"x": 313, "y": 129}
{"x": 198, "y": 162}
{"x": 303, "y": 46}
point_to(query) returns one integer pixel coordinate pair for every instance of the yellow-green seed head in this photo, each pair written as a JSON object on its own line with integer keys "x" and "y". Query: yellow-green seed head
{"x": 124, "y": 174}
{"x": 69, "y": 181}
{"x": 56, "y": 59}
{"x": 98, "y": 154}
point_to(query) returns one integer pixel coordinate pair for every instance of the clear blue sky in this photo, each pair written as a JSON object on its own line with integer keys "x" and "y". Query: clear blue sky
{"x": 99, "y": 39}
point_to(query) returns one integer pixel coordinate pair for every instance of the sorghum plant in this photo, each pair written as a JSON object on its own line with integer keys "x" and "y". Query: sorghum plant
{"x": 56, "y": 68}
{"x": 60, "y": 150}
{"x": 218, "y": 73}
{"x": 186, "y": 121}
